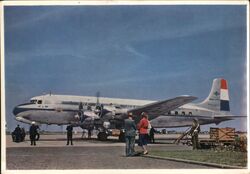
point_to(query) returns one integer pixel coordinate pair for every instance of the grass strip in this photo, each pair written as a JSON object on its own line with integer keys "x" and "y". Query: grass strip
{"x": 210, "y": 156}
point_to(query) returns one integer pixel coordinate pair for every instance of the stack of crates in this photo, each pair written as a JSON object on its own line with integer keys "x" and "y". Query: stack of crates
{"x": 222, "y": 134}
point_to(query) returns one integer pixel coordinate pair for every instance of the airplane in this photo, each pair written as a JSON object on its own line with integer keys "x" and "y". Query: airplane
{"x": 107, "y": 114}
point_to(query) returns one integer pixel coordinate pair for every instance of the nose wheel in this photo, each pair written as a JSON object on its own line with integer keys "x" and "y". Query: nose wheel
{"x": 102, "y": 136}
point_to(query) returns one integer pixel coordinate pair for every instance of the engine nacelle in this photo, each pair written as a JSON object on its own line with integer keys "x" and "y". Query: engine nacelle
{"x": 91, "y": 114}
{"x": 106, "y": 124}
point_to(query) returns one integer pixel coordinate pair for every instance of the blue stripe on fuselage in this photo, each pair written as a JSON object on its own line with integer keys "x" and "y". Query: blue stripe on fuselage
{"x": 19, "y": 110}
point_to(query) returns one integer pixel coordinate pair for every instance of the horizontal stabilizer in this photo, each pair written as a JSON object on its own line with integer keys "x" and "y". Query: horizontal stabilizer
{"x": 226, "y": 117}
{"x": 230, "y": 116}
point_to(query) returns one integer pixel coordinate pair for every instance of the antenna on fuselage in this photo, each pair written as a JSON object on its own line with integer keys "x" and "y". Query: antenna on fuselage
{"x": 97, "y": 98}
{"x": 50, "y": 93}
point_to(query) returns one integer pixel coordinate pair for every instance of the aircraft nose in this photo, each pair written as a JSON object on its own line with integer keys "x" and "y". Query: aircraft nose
{"x": 16, "y": 110}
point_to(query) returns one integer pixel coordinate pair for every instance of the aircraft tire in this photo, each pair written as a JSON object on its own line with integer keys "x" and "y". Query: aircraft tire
{"x": 102, "y": 136}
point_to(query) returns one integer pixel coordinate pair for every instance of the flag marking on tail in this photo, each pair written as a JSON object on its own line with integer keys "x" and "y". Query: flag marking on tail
{"x": 223, "y": 84}
{"x": 224, "y": 97}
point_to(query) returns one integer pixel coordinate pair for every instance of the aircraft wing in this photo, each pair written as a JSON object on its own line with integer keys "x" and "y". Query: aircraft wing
{"x": 162, "y": 107}
{"x": 224, "y": 117}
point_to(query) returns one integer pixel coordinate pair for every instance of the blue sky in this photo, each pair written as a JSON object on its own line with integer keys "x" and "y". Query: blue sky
{"x": 141, "y": 52}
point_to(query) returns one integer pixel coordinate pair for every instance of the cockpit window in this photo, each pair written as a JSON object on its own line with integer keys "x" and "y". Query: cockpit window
{"x": 39, "y": 102}
{"x": 33, "y": 101}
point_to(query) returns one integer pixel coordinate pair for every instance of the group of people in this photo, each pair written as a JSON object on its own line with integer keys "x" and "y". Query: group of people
{"x": 18, "y": 135}
{"x": 130, "y": 134}
{"x": 69, "y": 129}
{"x": 87, "y": 133}
{"x": 146, "y": 133}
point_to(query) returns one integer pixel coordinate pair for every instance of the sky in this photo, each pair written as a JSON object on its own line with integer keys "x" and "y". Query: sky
{"x": 138, "y": 52}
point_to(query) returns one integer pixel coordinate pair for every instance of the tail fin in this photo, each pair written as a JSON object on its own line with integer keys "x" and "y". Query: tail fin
{"x": 218, "y": 99}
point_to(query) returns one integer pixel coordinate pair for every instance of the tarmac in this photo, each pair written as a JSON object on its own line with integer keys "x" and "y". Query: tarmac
{"x": 51, "y": 152}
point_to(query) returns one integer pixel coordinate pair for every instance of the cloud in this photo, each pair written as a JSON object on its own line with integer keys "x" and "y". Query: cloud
{"x": 32, "y": 15}
{"x": 135, "y": 52}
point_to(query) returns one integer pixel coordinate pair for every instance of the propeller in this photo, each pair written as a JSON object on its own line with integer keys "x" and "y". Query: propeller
{"x": 96, "y": 112}
{"x": 80, "y": 112}
{"x": 98, "y": 107}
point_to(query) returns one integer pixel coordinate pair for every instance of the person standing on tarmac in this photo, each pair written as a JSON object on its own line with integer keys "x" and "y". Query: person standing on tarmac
{"x": 89, "y": 132}
{"x": 17, "y": 133}
{"x": 195, "y": 130}
{"x": 33, "y": 133}
{"x": 130, "y": 133}
{"x": 69, "y": 134}
{"x": 152, "y": 135}
{"x": 143, "y": 132}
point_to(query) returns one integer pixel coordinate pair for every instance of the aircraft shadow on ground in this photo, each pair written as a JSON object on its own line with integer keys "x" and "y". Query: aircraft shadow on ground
{"x": 94, "y": 140}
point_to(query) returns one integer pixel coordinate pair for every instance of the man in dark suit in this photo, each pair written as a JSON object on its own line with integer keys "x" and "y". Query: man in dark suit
{"x": 33, "y": 132}
{"x": 17, "y": 132}
{"x": 69, "y": 134}
{"x": 152, "y": 135}
{"x": 130, "y": 133}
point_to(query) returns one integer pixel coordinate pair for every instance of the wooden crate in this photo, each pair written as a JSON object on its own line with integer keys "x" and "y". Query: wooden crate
{"x": 222, "y": 134}
{"x": 116, "y": 132}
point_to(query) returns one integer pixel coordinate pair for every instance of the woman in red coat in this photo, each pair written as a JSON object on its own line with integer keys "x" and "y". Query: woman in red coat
{"x": 143, "y": 132}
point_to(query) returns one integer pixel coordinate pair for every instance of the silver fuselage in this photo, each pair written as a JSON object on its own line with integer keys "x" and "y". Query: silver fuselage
{"x": 63, "y": 109}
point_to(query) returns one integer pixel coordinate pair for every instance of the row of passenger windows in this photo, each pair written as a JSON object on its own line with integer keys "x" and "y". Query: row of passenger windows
{"x": 179, "y": 113}
{"x": 116, "y": 106}
{"x": 77, "y": 103}
{"x": 94, "y": 104}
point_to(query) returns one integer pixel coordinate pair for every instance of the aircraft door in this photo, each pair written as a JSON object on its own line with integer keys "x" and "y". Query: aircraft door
{"x": 39, "y": 103}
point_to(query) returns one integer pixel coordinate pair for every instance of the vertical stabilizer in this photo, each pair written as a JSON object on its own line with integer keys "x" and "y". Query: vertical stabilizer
{"x": 218, "y": 98}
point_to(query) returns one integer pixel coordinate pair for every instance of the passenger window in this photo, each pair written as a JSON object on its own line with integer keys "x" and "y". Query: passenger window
{"x": 190, "y": 113}
{"x": 176, "y": 113}
{"x": 39, "y": 102}
{"x": 183, "y": 113}
{"x": 169, "y": 112}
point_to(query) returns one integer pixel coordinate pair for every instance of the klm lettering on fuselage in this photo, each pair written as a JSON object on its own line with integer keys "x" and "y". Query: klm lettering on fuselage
{"x": 216, "y": 93}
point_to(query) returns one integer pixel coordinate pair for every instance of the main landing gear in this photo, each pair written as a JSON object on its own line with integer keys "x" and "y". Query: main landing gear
{"x": 102, "y": 136}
